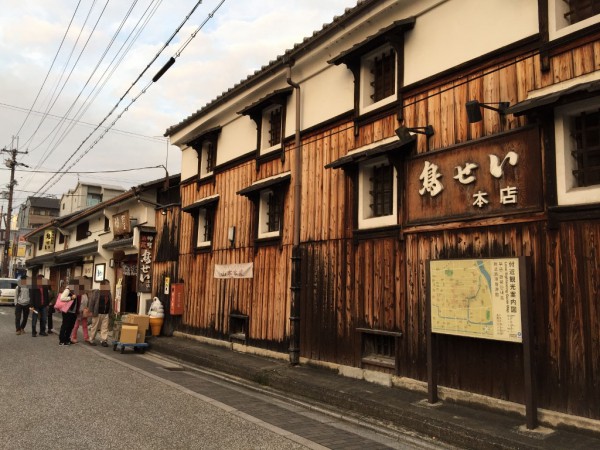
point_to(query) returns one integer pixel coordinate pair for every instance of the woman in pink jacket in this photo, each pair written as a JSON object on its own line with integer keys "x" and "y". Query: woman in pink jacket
{"x": 82, "y": 319}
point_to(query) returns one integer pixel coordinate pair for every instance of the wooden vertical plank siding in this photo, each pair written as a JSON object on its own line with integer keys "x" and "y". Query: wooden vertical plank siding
{"x": 350, "y": 280}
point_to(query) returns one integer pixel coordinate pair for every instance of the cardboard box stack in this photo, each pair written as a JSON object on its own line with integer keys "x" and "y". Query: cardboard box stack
{"x": 142, "y": 322}
{"x": 129, "y": 333}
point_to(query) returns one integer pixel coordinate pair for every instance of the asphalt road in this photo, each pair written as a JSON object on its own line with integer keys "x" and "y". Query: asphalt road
{"x": 83, "y": 397}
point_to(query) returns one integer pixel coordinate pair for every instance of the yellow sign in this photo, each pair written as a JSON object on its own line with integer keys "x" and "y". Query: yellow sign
{"x": 49, "y": 240}
{"x": 476, "y": 298}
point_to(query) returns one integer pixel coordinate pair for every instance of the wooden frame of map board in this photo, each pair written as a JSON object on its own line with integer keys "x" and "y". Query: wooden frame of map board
{"x": 500, "y": 287}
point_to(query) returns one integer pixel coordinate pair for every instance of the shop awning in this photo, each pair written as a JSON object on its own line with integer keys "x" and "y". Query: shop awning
{"x": 76, "y": 253}
{"x": 39, "y": 261}
{"x": 119, "y": 243}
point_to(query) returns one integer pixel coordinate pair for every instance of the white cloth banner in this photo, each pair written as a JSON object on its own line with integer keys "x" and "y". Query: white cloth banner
{"x": 234, "y": 270}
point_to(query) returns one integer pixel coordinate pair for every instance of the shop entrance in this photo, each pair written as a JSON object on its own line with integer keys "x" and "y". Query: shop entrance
{"x": 127, "y": 272}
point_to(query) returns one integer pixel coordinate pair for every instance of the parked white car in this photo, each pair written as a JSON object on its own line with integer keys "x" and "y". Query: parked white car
{"x": 7, "y": 290}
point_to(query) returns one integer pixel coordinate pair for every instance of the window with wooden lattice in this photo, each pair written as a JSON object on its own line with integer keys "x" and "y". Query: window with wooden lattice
{"x": 382, "y": 195}
{"x": 577, "y": 142}
{"x": 378, "y": 79}
{"x": 377, "y": 194}
{"x": 578, "y": 10}
{"x": 383, "y": 75}
{"x": 270, "y": 212}
{"x": 586, "y": 151}
{"x": 569, "y": 16}
{"x": 205, "y": 227}
{"x": 275, "y": 126}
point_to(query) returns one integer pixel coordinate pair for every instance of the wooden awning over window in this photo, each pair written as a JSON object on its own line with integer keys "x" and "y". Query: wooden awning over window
{"x": 279, "y": 97}
{"x": 385, "y": 35}
{"x": 202, "y": 203}
{"x": 583, "y": 90}
{"x": 259, "y": 185}
{"x": 363, "y": 155}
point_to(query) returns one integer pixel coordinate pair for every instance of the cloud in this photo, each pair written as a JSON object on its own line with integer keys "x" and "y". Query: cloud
{"x": 239, "y": 39}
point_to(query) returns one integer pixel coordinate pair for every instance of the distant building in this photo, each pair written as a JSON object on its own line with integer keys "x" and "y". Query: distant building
{"x": 85, "y": 195}
{"x": 37, "y": 211}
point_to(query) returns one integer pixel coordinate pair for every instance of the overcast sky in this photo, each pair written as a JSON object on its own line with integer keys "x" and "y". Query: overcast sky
{"x": 88, "y": 76}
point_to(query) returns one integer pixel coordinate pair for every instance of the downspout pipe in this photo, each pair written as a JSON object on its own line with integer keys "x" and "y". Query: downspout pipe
{"x": 294, "y": 349}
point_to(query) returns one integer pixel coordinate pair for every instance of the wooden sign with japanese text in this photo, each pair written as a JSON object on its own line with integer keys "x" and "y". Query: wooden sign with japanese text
{"x": 176, "y": 304}
{"x": 145, "y": 262}
{"x": 121, "y": 224}
{"x": 49, "y": 240}
{"x": 490, "y": 177}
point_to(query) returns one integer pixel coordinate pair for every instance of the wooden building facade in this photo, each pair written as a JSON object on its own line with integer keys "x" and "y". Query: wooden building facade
{"x": 393, "y": 179}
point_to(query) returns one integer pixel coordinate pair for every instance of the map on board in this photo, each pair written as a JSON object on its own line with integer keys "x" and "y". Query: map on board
{"x": 476, "y": 298}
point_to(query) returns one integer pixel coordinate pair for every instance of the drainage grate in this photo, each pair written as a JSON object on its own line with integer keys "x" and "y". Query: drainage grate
{"x": 174, "y": 369}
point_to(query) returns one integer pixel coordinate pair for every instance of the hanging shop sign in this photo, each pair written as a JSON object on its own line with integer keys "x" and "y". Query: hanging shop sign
{"x": 145, "y": 262}
{"x": 49, "y": 240}
{"x": 121, "y": 224}
{"x": 224, "y": 271}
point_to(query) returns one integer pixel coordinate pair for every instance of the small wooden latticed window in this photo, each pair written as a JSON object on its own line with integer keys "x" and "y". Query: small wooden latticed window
{"x": 208, "y": 226}
{"x": 382, "y": 196}
{"x": 586, "y": 133}
{"x": 273, "y": 212}
{"x": 210, "y": 157}
{"x": 275, "y": 126}
{"x": 378, "y": 345}
{"x": 579, "y": 10}
{"x": 384, "y": 76}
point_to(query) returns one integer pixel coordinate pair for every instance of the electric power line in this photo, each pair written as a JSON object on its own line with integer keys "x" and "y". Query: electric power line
{"x": 143, "y": 91}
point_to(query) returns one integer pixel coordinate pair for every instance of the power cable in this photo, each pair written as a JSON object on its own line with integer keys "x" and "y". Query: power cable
{"x": 59, "y": 125}
{"x": 91, "y": 171}
{"x": 143, "y": 91}
{"x": 87, "y": 124}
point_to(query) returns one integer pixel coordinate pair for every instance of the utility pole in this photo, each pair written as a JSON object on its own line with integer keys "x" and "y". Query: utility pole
{"x": 11, "y": 164}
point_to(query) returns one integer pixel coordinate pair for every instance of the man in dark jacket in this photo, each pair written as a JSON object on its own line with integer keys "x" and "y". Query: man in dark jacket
{"x": 39, "y": 298}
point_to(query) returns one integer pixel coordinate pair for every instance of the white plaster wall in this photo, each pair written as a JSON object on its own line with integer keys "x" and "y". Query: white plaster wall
{"x": 447, "y": 33}
{"x": 237, "y": 138}
{"x": 189, "y": 163}
{"x": 460, "y": 30}
{"x": 326, "y": 95}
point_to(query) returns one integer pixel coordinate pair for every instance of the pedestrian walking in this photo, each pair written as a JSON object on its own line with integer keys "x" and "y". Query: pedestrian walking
{"x": 21, "y": 305}
{"x": 83, "y": 313}
{"x": 38, "y": 296}
{"x": 69, "y": 316}
{"x": 101, "y": 307}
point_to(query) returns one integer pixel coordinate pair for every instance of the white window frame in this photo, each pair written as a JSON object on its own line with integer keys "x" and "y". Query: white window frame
{"x": 365, "y": 215}
{"x": 200, "y": 242}
{"x": 558, "y": 25}
{"x": 263, "y": 215}
{"x": 567, "y": 191}
{"x": 366, "y": 104}
{"x": 265, "y": 127}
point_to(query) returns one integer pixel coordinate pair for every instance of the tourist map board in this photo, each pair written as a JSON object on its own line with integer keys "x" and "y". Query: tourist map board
{"x": 476, "y": 298}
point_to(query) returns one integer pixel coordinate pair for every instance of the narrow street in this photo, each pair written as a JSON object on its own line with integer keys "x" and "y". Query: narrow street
{"x": 92, "y": 397}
